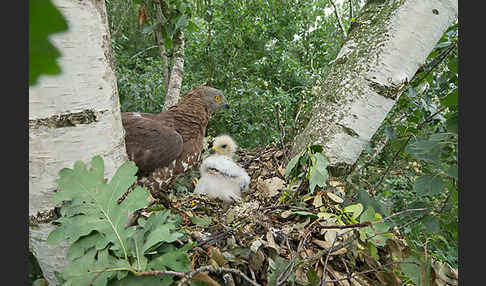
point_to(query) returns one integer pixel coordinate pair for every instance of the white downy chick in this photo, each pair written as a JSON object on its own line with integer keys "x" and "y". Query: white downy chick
{"x": 221, "y": 177}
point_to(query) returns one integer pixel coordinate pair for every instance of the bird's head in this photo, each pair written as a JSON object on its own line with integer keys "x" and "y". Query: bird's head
{"x": 213, "y": 99}
{"x": 224, "y": 145}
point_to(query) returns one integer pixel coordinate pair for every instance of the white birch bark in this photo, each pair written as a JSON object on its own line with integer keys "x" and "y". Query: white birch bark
{"x": 177, "y": 72}
{"x": 72, "y": 116}
{"x": 386, "y": 45}
{"x": 161, "y": 44}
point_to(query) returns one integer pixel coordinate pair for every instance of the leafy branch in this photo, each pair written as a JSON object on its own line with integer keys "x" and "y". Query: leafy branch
{"x": 102, "y": 248}
{"x": 309, "y": 165}
{"x": 419, "y": 126}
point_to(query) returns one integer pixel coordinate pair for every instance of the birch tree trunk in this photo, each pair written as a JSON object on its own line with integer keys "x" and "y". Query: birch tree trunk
{"x": 73, "y": 116}
{"x": 160, "y": 43}
{"x": 386, "y": 45}
{"x": 177, "y": 72}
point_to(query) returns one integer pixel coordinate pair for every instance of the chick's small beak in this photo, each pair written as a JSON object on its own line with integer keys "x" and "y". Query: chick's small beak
{"x": 213, "y": 150}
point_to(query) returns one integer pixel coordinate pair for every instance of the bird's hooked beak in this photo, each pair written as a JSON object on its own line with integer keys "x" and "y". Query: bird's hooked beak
{"x": 226, "y": 105}
{"x": 214, "y": 149}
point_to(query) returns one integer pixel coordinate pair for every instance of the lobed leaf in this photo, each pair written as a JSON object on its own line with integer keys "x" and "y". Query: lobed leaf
{"x": 94, "y": 204}
{"x": 173, "y": 258}
{"x": 93, "y": 268}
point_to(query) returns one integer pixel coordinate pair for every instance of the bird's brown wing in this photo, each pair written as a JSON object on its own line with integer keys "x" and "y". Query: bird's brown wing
{"x": 149, "y": 143}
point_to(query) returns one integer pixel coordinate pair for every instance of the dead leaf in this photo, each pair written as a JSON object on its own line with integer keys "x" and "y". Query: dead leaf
{"x": 395, "y": 247}
{"x": 150, "y": 199}
{"x": 272, "y": 186}
{"x": 286, "y": 214}
{"x": 337, "y": 275}
{"x": 388, "y": 278}
{"x": 371, "y": 262}
{"x": 269, "y": 164}
{"x": 267, "y": 155}
{"x": 321, "y": 243}
{"x": 271, "y": 242}
{"x": 326, "y": 245}
{"x": 303, "y": 254}
{"x": 444, "y": 274}
{"x": 317, "y": 201}
{"x": 281, "y": 170}
{"x": 301, "y": 226}
{"x": 204, "y": 277}
{"x": 300, "y": 274}
{"x": 256, "y": 259}
{"x": 215, "y": 254}
{"x": 334, "y": 197}
{"x": 230, "y": 216}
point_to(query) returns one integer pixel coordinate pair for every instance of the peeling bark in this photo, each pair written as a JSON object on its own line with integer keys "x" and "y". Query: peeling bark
{"x": 64, "y": 120}
{"x": 72, "y": 116}
{"x": 385, "y": 46}
{"x": 177, "y": 72}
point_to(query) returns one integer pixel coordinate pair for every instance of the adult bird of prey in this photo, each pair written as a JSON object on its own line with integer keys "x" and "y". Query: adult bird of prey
{"x": 221, "y": 177}
{"x": 169, "y": 143}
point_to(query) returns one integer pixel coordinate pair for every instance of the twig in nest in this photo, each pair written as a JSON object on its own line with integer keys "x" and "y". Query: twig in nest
{"x": 327, "y": 259}
{"x": 380, "y": 268}
{"x": 367, "y": 223}
{"x": 315, "y": 257}
{"x": 224, "y": 234}
{"x": 284, "y": 276}
{"x": 281, "y": 131}
{"x": 215, "y": 238}
{"x": 345, "y": 266}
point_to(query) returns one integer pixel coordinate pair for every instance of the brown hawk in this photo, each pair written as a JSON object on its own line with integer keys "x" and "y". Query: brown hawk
{"x": 169, "y": 143}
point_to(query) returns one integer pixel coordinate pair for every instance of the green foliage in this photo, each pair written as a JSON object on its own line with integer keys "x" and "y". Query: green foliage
{"x": 176, "y": 16}
{"x": 412, "y": 269}
{"x": 311, "y": 165}
{"x": 257, "y": 53}
{"x": 103, "y": 250}
{"x": 264, "y": 52}
{"x": 379, "y": 232}
{"x": 276, "y": 267}
{"x": 424, "y": 172}
{"x": 44, "y": 20}
{"x": 34, "y": 272}
{"x": 140, "y": 86}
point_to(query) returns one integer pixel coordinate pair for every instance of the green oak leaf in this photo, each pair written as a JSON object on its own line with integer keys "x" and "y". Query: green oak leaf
{"x": 100, "y": 210}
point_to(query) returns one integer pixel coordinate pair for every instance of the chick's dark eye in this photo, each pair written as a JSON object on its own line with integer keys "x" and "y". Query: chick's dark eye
{"x": 224, "y": 146}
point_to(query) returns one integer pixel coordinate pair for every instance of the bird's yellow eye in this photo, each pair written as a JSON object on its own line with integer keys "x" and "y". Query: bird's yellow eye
{"x": 217, "y": 98}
